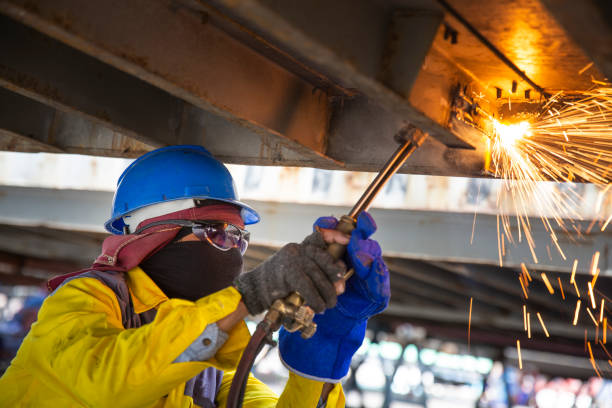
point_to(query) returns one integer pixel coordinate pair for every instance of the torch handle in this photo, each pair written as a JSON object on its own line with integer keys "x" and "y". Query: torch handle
{"x": 291, "y": 312}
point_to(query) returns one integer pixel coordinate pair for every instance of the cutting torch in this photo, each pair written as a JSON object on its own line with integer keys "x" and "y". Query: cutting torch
{"x": 291, "y": 312}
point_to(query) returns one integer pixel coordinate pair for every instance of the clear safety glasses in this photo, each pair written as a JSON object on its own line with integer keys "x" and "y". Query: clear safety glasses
{"x": 221, "y": 235}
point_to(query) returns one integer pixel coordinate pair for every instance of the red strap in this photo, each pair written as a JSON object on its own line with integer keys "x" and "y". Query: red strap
{"x": 53, "y": 283}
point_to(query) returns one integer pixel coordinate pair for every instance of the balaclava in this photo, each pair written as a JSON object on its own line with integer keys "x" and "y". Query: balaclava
{"x": 192, "y": 269}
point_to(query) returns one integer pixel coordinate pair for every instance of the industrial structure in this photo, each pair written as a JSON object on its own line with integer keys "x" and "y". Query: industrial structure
{"x": 323, "y": 84}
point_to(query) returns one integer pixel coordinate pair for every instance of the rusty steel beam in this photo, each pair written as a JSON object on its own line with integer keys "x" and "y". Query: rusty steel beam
{"x": 105, "y": 107}
{"x": 178, "y": 54}
{"x": 589, "y": 24}
{"x": 178, "y": 51}
{"x": 27, "y": 125}
{"x": 313, "y": 122}
{"x": 349, "y": 43}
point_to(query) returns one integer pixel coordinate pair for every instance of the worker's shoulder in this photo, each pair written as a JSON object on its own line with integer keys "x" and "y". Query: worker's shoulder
{"x": 94, "y": 281}
{"x": 90, "y": 290}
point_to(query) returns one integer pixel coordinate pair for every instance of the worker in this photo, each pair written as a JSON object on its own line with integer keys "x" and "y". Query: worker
{"x": 158, "y": 320}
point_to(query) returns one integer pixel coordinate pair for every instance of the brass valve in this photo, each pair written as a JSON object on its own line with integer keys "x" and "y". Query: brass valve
{"x": 293, "y": 315}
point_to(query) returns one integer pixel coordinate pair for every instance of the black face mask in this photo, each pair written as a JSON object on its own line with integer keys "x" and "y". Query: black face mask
{"x": 192, "y": 269}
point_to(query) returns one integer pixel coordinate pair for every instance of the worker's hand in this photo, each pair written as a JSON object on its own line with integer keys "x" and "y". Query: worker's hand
{"x": 306, "y": 268}
{"x": 327, "y": 355}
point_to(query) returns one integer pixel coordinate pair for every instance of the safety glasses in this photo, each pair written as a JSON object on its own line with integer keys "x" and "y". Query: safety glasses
{"x": 222, "y": 235}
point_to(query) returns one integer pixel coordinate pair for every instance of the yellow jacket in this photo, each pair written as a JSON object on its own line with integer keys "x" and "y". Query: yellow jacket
{"x": 79, "y": 354}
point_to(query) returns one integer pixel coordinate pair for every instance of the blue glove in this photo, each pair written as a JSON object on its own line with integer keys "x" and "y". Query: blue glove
{"x": 326, "y": 356}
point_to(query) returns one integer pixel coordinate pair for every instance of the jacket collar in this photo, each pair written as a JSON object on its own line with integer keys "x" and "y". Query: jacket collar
{"x": 146, "y": 295}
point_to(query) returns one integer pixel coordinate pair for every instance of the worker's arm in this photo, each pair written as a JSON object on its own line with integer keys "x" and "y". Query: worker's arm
{"x": 79, "y": 344}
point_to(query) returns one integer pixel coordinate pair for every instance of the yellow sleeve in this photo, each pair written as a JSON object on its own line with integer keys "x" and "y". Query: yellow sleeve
{"x": 298, "y": 392}
{"x": 80, "y": 347}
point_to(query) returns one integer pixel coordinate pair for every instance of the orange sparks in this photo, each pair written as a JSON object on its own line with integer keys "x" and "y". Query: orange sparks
{"x": 547, "y": 283}
{"x": 518, "y": 349}
{"x": 561, "y": 288}
{"x": 525, "y": 271}
{"x": 577, "y": 291}
{"x": 603, "y": 228}
{"x": 586, "y": 67}
{"x": 470, "y": 323}
{"x": 569, "y": 139}
{"x": 525, "y": 317}
{"x": 592, "y": 296}
{"x": 595, "y": 277}
{"x": 603, "y": 347}
{"x": 543, "y": 325}
{"x": 523, "y": 286}
{"x": 574, "y": 272}
{"x": 593, "y": 359}
{"x": 528, "y": 325}
{"x": 592, "y": 317}
{"x": 577, "y": 312}
{"x": 594, "y": 262}
{"x": 601, "y": 310}
{"x": 499, "y": 251}
{"x": 605, "y": 329}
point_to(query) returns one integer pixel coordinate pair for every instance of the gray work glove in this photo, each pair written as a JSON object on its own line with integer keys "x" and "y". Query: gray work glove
{"x": 306, "y": 268}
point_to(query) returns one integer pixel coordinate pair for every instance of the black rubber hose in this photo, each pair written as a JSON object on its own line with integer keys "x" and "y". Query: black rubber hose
{"x": 255, "y": 345}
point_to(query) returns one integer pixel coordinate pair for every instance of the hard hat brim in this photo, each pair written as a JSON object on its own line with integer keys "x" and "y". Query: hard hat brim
{"x": 249, "y": 214}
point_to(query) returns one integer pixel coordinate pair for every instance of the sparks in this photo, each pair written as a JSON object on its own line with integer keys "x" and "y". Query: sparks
{"x": 543, "y": 325}
{"x": 525, "y": 317}
{"x": 592, "y": 296}
{"x": 592, "y": 317}
{"x": 603, "y": 228}
{"x": 577, "y": 312}
{"x": 520, "y": 278}
{"x": 593, "y": 363}
{"x": 470, "y": 323}
{"x": 568, "y": 141}
{"x": 561, "y": 288}
{"x": 547, "y": 283}
{"x": 574, "y": 272}
{"x": 577, "y": 291}
{"x": 594, "y": 263}
{"x": 525, "y": 271}
{"x": 601, "y": 310}
{"x": 595, "y": 278}
{"x": 528, "y": 325}
{"x": 518, "y": 349}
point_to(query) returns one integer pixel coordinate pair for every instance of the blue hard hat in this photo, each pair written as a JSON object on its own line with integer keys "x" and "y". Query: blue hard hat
{"x": 173, "y": 173}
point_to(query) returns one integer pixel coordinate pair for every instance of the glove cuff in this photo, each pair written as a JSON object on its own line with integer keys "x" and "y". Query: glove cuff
{"x": 326, "y": 356}
{"x": 309, "y": 376}
{"x": 246, "y": 284}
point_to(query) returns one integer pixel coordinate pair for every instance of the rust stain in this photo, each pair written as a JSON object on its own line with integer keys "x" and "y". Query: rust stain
{"x": 62, "y": 20}
{"x": 31, "y": 7}
{"x": 136, "y": 59}
{"x": 30, "y": 83}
